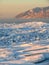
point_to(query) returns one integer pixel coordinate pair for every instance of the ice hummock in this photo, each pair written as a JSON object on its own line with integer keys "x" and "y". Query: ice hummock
{"x": 25, "y": 43}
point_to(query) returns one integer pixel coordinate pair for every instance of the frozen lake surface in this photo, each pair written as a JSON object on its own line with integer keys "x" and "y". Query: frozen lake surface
{"x": 24, "y": 44}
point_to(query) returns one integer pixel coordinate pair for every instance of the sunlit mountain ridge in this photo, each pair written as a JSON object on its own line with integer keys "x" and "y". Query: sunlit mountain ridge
{"x": 38, "y": 12}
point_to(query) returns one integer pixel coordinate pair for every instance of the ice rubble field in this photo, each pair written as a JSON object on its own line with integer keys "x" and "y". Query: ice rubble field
{"x": 24, "y": 44}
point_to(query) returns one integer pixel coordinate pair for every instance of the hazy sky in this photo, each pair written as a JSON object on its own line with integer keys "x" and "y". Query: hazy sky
{"x": 10, "y": 8}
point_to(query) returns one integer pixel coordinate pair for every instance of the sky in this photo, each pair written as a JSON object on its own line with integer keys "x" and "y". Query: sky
{"x": 10, "y": 8}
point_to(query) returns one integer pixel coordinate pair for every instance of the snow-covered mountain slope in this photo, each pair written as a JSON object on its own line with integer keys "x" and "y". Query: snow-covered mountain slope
{"x": 25, "y": 43}
{"x": 38, "y": 12}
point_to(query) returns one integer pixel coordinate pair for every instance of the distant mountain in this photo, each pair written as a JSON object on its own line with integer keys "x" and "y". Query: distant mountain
{"x": 38, "y": 12}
